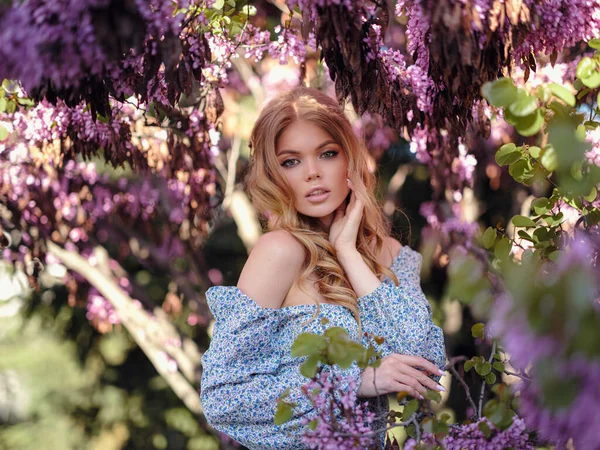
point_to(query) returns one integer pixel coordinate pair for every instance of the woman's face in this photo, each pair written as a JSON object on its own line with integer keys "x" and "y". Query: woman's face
{"x": 309, "y": 158}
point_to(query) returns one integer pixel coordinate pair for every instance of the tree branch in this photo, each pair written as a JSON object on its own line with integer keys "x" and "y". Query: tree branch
{"x": 450, "y": 366}
{"x": 483, "y": 382}
{"x": 139, "y": 323}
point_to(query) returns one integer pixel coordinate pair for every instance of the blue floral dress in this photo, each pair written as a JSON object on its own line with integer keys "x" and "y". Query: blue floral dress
{"x": 249, "y": 364}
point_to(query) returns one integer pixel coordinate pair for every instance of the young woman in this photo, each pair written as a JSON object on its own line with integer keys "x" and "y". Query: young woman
{"x": 327, "y": 253}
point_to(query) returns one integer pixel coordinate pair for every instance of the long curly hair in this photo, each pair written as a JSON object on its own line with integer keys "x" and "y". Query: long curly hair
{"x": 270, "y": 192}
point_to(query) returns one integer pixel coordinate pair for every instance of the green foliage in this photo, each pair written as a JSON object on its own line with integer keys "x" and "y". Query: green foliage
{"x": 308, "y": 343}
{"x": 283, "y": 413}
{"x": 500, "y": 93}
{"x": 467, "y": 282}
{"x": 84, "y": 390}
{"x": 478, "y": 330}
{"x": 433, "y": 396}
{"x": 333, "y": 347}
{"x": 409, "y": 409}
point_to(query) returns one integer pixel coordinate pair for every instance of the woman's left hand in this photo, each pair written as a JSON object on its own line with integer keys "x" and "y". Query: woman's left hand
{"x": 344, "y": 228}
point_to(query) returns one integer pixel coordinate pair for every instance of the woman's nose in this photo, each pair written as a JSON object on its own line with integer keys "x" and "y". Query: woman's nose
{"x": 312, "y": 173}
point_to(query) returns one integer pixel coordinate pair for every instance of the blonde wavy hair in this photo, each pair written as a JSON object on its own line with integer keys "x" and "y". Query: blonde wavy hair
{"x": 270, "y": 192}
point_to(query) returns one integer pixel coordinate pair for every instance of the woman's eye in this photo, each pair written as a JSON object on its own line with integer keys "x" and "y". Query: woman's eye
{"x": 331, "y": 153}
{"x": 287, "y": 162}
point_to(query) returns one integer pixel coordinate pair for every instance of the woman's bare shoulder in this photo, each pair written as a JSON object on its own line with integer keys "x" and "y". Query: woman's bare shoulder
{"x": 274, "y": 264}
{"x": 389, "y": 252}
{"x": 393, "y": 245}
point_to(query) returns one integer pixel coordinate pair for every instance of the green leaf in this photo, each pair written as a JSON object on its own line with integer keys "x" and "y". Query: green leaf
{"x": 594, "y": 43}
{"x": 498, "y": 366}
{"x": 477, "y": 330}
{"x": 490, "y": 378}
{"x": 502, "y": 249}
{"x": 344, "y": 352}
{"x": 485, "y": 429}
{"x": 531, "y": 124}
{"x": 543, "y": 93}
{"x": 489, "y": 237}
{"x": 524, "y": 106}
{"x": 25, "y": 101}
{"x": 249, "y": 10}
{"x": 590, "y": 197}
{"x": 336, "y": 333}
{"x": 593, "y": 81}
{"x": 534, "y": 151}
{"x": 562, "y": 93}
{"x": 520, "y": 170}
{"x": 555, "y": 220}
{"x": 541, "y": 205}
{"x": 468, "y": 365}
{"x": 218, "y": 4}
{"x": 283, "y": 413}
{"x": 500, "y": 93}
{"x": 508, "y": 154}
{"x": 11, "y": 106}
{"x": 2, "y": 104}
{"x": 544, "y": 234}
{"x": 483, "y": 368}
{"x": 583, "y": 93}
{"x": 549, "y": 158}
{"x": 554, "y": 255}
{"x": 522, "y": 221}
{"x": 3, "y": 133}
{"x": 308, "y": 343}
{"x": 434, "y": 396}
{"x": 409, "y": 409}
{"x": 524, "y": 235}
{"x": 309, "y": 367}
{"x": 585, "y": 68}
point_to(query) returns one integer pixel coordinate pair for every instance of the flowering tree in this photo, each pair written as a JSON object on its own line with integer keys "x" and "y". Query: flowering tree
{"x": 120, "y": 146}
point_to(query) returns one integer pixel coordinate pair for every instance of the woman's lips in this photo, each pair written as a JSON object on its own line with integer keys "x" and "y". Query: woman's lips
{"x": 318, "y": 198}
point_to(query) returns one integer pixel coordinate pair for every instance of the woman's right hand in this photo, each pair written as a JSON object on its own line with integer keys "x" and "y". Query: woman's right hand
{"x": 397, "y": 373}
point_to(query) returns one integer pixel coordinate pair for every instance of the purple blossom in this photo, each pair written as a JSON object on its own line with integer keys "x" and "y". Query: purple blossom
{"x": 470, "y": 437}
{"x": 353, "y": 418}
{"x": 560, "y": 353}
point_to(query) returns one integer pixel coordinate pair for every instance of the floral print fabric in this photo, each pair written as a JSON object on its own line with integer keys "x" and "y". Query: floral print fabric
{"x": 249, "y": 364}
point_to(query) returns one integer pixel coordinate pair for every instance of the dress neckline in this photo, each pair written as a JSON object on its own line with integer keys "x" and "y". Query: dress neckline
{"x": 303, "y": 306}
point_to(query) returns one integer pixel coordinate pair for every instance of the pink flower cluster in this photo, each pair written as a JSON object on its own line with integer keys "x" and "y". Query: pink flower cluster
{"x": 99, "y": 309}
{"x": 559, "y": 24}
{"x": 470, "y": 437}
{"x": 593, "y": 154}
{"x": 341, "y": 422}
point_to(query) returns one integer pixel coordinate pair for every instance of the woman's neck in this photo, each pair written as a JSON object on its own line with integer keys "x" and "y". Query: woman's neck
{"x": 326, "y": 222}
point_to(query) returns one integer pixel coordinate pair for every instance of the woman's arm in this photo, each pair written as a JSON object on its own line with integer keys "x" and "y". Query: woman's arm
{"x": 382, "y": 303}
{"x": 362, "y": 279}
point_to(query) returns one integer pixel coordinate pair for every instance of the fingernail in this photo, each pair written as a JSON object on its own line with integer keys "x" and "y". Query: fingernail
{"x": 421, "y": 397}
{"x": 441, "y": 372}
{"x": 441, "y": 388}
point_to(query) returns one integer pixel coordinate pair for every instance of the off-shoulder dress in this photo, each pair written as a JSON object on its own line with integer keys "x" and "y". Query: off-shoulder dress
{"x": 249, "y": 364}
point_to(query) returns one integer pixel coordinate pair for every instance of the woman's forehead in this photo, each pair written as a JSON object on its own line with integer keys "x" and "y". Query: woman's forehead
{"x": 303, "y": 136}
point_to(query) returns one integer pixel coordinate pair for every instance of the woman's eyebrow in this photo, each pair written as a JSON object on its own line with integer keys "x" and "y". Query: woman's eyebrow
{"x": 320, "y": 146}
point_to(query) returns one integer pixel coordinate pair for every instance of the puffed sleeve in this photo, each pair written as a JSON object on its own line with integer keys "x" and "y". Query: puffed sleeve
{"x": 247, "y": 367}
{"x": 402, "y": 314}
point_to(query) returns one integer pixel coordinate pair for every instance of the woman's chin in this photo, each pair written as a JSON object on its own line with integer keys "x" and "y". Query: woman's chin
{"x": 317, "y": 212}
